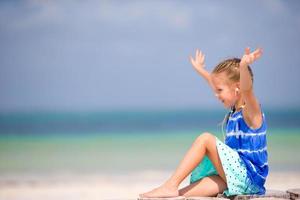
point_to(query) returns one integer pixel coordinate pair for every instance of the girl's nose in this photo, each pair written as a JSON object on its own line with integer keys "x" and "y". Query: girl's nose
{"x": 216, "y": 95}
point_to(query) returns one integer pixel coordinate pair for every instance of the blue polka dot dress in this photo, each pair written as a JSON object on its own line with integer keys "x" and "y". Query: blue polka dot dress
{"x": 243, "y": 157}
{"x": 234, "y": 168}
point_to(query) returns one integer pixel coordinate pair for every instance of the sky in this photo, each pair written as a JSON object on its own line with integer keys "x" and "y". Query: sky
{"x": 113, "y": 55}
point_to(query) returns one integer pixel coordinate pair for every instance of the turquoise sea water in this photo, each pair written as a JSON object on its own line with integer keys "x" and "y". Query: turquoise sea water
{"x": 116, "y": 142}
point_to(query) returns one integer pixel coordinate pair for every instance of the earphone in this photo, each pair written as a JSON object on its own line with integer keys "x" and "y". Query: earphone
{"x": 236, "y": 91}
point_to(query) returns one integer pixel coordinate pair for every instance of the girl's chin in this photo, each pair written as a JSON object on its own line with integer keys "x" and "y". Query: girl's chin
{"x": 226, "y": 105}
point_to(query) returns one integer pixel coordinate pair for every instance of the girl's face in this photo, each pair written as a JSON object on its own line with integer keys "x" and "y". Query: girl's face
{"x": 225, "y": 90}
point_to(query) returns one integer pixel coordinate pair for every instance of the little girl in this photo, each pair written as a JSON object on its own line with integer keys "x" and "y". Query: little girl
{"x": 240, "y": 165}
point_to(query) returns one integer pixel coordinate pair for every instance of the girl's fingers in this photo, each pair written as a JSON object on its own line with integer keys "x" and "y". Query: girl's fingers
{"x": 249, "y": 57}
{"x": 199, "y": 58}
{"x": 258, "y": 53}
{"x": 202, "y": 58}
{"x": 247, "y": 51}
{"x": 191, "y": 59}
{"x": 199, "y": 54}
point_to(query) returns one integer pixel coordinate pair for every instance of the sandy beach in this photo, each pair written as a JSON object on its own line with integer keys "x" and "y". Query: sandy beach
{"x": 126, "y": 186}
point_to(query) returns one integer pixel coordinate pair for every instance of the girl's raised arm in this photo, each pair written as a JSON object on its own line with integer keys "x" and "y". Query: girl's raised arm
{"x": 252, "y": 109}
{"x": 198, "y": 64}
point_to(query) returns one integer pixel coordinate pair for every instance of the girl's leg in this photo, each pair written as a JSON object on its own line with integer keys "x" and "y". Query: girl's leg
{"x": 205, "y": 144}
{"x": 207, "y": 187}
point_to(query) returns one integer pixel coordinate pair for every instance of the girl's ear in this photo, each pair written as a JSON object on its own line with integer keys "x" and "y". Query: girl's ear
{"x": 237, "y": 88}
{"x": 237, "y": 85}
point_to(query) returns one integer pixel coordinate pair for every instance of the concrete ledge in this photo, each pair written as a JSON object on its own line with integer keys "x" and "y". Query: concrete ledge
{"x": 293, "y": 194}
{"x": 269, "y": 198}
{"x": 167, "y": 198}
{"x": 205, "y": 198}
{"x": 269, "y": 194}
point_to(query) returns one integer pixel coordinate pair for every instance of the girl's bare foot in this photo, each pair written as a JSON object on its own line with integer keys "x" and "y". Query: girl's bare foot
{"x": 162, "y": 191}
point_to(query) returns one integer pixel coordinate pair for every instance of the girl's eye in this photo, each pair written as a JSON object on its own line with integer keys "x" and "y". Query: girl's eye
{"x": 219, "y": 90}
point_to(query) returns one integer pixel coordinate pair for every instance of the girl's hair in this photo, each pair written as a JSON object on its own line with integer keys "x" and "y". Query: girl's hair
{"x": 232, "y": 69}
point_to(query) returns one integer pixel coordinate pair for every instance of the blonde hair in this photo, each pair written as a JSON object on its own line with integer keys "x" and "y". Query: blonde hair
{"x": 232, "y": 69}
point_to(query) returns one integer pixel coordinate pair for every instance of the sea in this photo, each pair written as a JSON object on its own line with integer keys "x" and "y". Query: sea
{"x": 118, "y": 142}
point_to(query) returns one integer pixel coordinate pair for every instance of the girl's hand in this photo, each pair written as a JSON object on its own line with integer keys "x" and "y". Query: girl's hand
{"x": 248, "y": 58}
{"x": 198, "y": 62}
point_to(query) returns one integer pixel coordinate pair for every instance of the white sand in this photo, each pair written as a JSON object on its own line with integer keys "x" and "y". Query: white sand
{"x": 106, "y": 186}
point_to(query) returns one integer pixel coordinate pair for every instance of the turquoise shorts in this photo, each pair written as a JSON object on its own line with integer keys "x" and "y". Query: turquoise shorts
{"x": 235, "y": 170}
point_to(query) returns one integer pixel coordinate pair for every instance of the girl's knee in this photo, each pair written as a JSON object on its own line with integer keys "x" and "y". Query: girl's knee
{"x": 206, "y": 137}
